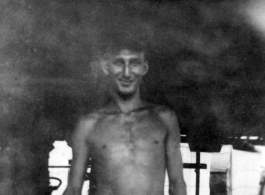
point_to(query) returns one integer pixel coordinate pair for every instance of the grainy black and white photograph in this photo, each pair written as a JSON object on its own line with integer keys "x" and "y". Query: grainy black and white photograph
{"x": 132, "y": 97}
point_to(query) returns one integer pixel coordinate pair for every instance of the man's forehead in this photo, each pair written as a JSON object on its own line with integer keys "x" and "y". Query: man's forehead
{"x": 128, "y": 54}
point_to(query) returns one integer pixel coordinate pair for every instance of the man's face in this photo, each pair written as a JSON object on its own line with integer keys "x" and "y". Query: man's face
{"x": 126, "y": 70}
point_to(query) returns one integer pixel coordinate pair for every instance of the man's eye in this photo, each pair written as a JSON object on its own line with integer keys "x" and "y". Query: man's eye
{"x": 118, "y": 62}
{"x": 135, "y": 63}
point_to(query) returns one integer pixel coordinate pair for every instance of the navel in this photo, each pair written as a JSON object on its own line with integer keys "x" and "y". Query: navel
{"x": 156, "y": 142}
{"x": 104, "y": 146}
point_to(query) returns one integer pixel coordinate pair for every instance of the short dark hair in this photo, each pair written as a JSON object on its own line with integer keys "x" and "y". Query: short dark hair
{"x": 116, "y": 46}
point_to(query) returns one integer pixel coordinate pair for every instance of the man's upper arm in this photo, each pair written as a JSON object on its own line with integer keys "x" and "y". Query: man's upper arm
{"x": 173, "y": 155}
{"x": 80, "y": 154}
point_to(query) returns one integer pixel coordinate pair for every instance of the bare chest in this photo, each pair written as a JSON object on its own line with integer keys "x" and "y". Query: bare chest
{"x": 128, "y": 136}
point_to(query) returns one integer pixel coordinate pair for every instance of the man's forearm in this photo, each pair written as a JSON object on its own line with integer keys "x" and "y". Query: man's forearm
{"x": 178, "y": 188}
{"x": 72, "y": 191}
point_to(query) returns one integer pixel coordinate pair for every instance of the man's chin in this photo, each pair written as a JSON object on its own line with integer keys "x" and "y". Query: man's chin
{"x": 125, "y": 94}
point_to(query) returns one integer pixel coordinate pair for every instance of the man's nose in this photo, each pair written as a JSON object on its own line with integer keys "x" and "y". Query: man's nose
{"x": 126, "y": 70}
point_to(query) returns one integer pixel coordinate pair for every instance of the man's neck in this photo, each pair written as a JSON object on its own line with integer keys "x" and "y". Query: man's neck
{"x": 130, "y": 104}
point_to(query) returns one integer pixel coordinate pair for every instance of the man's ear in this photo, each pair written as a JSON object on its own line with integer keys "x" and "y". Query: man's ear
{"x": 105, "y": 67}
{"x": 145, "y": 68}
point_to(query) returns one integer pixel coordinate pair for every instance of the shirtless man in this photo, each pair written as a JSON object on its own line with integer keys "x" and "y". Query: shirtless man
{"x": 131, "y": 143}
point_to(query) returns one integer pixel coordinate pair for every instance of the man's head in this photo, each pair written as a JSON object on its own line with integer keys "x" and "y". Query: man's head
{"x": 125, "y": 69}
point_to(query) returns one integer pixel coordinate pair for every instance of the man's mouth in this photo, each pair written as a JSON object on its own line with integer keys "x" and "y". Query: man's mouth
{"x": 125, "y": 82}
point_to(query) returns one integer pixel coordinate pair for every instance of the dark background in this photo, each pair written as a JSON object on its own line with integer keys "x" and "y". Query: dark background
{"x": 206, "y": 62}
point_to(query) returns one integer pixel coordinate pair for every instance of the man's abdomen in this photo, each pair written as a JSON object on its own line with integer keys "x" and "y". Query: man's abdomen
{"x": 129, "y": 179}
{"x": 124, "y": 170}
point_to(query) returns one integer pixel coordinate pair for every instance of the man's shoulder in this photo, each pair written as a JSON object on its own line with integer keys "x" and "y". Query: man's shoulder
{"x": 95, "y": 115}
{"x": 92, "y": 116}
{"x": 166, "y": 114}
{"x": 88, "y": 121}
{"x": 164, "y": 111}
